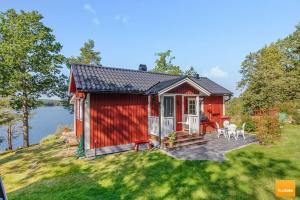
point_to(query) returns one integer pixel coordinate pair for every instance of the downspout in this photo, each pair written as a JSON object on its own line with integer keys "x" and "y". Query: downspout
{"x": 159, "y": 121}
{"x": 229, "y": 97}
{"x": 82, "y": 124}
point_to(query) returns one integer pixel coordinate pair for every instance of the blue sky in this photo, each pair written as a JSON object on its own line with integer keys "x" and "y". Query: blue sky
{"x": 212, "y": 36}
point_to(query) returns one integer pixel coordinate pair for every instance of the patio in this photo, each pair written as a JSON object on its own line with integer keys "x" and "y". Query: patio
{"x": 215, "y": 148}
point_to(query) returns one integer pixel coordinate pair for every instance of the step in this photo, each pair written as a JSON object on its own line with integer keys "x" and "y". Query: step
{"x": 192, "y": 138}
{"x": 196, "y": 142}
{"x": 179, "y": 136}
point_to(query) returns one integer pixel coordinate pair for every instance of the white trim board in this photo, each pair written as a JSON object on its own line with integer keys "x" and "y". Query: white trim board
{"x": 186, "y": 80}
{"x": 87, "y": 116}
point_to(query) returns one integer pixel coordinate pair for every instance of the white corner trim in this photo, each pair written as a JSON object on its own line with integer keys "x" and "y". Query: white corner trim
{"x": 87, "y": 116}
{"x": 223, "y": 105}
{"x": 70, "y": 77}
{"x": 186, "y": 80}
{"x": 72, "y": 100}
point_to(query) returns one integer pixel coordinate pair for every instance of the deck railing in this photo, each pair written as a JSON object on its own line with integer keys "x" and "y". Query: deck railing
{"x": 193, "y": 124}
{"x": 153, "y": 127}
{"x": 167, "y": 126}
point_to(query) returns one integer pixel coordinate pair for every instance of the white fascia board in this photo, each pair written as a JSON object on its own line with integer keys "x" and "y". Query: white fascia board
{"x": 186, "y": 80}
{"x": 72, "y": 100}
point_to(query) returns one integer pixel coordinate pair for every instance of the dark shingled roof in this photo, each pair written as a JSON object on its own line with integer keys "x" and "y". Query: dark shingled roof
{"x": 91, "y": 78}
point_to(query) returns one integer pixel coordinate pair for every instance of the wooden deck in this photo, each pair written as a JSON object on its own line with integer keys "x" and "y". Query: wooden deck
{"x": 184, "y": 139}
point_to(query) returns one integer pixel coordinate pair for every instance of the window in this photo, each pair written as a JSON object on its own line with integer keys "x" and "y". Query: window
{"x": 192, "y": 106}
{"x": 168, "y": 106}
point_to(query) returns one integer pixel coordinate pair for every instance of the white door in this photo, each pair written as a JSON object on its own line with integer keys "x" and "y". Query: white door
{"x": 168, "y": 115}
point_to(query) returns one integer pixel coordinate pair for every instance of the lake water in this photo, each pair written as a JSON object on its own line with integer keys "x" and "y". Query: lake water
{"x": 44, "y": 122}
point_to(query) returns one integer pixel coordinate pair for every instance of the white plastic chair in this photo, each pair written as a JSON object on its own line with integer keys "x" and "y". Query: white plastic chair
{"x": 220, "y": 131}
{"x": 241, "y": 131}
{"x": 232, "y": 131}
{"x": 226, "y": 123}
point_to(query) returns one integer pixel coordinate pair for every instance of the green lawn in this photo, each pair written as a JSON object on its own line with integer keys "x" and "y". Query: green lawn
{"x": 47, "y": 172}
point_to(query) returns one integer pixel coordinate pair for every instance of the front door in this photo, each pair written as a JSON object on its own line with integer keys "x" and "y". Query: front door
{"x": 168, "y": 115}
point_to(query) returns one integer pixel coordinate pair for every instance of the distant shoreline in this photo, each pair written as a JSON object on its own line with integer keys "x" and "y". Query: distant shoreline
{"x": 50, "y": 102}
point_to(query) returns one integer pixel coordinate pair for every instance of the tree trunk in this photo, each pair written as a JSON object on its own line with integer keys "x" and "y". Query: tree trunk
{"x": 25, "y": 125}
{"x": 9, "y": 137}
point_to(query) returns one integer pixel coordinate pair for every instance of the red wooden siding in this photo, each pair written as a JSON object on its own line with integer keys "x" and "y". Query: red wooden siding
{"x": 185, "y": 88}
{"x": 72, "y": 84}
{"x": 178, "y": 113}
{"x": 78, "y": 128}
{"x": 154, "y": 105}
{"x": 213, "y": 109}
{"x": 118, "y": 119}
{"x": 185, "y": 104}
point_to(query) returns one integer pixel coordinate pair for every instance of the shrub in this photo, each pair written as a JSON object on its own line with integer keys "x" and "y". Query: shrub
{"x": 49, "y": 139}
{"x": 172, "y": 137}
{"x": 267, "y": 128}
{"x": 296, "y": 117}
{"x": 62, "y": 129}
{"x": 250, "y": 125}
{"x": 54, "y": 138}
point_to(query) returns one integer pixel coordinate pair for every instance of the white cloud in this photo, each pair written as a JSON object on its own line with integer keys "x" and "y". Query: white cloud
{"x": 125, "y": 20}
{"x": 96, "y": 21}
{"x": 89, "y": 8}
{"x": 216, "y": 72}
{"x": 121, "y": 18}
{"x": 117, "y": 17}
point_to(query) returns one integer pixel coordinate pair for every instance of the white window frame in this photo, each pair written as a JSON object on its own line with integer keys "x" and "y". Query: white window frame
{"x": 195, "y": 107}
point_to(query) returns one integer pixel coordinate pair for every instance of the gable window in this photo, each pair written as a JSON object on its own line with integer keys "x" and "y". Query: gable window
{"x": 192, "y": 106}
{"x": 168, "y": 106}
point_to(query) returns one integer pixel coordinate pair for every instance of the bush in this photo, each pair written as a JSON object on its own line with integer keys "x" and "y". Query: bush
{"x": 50, "y": 139}
{"x": 54, "y": 138}
{"x": 296, "y": 117}
{"x": 62, "y": 129}
{"x": 267, "y": 128}
{"x": 172, "y": 137}
{"x": 250, "y": 125}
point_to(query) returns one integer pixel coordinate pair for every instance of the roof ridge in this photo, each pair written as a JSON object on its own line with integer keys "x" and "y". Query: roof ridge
{"x": 124, "y": 69}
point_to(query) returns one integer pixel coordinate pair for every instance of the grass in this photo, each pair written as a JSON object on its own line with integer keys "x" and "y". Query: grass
{"x": 49, "y": 172}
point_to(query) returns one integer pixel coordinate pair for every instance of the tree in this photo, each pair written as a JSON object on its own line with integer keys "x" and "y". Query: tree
{"x": 263, "y": 77}
{"x": 269, "y": 77}
{"x": 30, "y": 54}
{"x": 10, "y": 119}
{"x": 87, "y": 55}
{"x": 190, "y": 72}
{"x": 164, "y": 64}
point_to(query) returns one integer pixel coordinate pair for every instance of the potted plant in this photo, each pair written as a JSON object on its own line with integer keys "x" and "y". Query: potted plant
{"x": 171, "y": 139}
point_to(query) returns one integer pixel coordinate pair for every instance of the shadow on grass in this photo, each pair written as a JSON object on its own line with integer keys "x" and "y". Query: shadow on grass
{"x": 152, "y": 175}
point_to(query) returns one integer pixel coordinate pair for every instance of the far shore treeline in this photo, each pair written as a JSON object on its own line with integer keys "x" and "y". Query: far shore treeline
{"x": 51, "y": 102}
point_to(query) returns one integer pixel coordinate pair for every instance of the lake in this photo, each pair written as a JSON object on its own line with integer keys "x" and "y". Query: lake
{"x": 44, "y": 122}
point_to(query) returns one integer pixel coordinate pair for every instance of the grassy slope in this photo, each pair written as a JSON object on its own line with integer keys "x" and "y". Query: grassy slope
{"x": 46, "y": 172}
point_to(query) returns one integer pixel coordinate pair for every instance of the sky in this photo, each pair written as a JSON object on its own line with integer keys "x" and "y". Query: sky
{"x": 213, "y": 36}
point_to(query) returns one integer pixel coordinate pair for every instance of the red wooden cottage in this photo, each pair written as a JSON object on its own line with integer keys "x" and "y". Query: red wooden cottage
{"x": 115, "y": 107}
